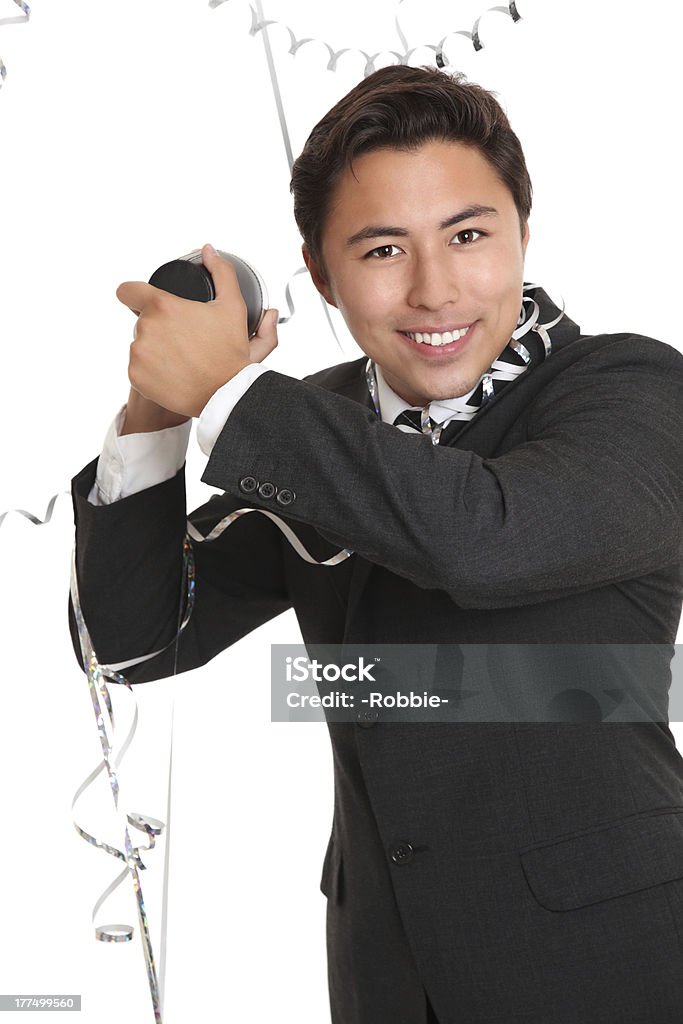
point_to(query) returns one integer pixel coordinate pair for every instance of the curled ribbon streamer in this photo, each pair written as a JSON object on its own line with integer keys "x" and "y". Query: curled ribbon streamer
{"x": 151, "y": 826}
{"x": 260, "y": 24}
{"x": 540, "y": 329}
{"x": 29, "y": 515}
{"x": 195, "y": 535}
{"x": 288, "y": 296}
{"x": 510, "y": 10}
{"x": 291, "y": 307}
{"x": 13, "y": 21}
{"x": 104, "y": 717}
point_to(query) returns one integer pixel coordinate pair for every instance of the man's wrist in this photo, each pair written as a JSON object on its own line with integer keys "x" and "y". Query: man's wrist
{"x": 143, "y": 415}
{"x": 214, "y": 388}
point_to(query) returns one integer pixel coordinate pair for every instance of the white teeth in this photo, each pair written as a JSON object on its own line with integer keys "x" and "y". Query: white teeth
{"x": 437, "y": 339}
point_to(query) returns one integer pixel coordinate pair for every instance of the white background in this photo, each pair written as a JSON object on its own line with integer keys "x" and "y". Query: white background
{"x": 130, "y": 134}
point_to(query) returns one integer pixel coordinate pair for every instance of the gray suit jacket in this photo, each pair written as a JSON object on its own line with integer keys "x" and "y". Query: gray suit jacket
{"x": 516, "y": 871}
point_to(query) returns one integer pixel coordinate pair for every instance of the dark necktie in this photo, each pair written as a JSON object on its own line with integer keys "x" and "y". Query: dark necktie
{"x": 413, "y": 418}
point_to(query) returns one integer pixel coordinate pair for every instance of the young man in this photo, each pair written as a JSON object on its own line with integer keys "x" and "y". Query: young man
{"x": 488, "y": 871}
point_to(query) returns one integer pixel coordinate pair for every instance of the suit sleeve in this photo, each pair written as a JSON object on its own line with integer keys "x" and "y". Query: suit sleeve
{"x": 129, "y": 571}
{"x": 594, "y": 495}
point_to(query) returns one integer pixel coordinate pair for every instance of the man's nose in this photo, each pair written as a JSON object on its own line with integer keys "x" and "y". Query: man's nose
{"x": 433, "y": 283}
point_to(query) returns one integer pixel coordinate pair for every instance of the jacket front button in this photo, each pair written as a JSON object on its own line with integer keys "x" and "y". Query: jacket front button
{"x": 285, "y": 496}
{"x": 267, "y": 490}
{"x": 367, "y": 718}
{"x": 248, "y": 484}
{"x": 401, "y": 853}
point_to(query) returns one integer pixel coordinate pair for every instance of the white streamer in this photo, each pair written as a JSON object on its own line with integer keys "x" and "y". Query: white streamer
{"x": 341, "y": 556}
{"x": 97, "y": 674}
{"x": 17, "y": 19}
{"x": 260, "y": 24}
{"x": 30, "y": 516}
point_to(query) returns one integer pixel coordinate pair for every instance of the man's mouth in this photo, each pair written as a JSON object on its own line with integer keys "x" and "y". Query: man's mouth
{"x": 452, "y": 339}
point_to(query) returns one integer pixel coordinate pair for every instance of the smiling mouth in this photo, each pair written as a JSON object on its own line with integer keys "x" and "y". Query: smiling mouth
{"x": 446, "y": 341}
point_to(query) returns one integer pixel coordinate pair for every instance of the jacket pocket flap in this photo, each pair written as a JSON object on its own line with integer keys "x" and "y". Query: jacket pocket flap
{"x": 626, "y": 856}
{"x": 331, "y": 874}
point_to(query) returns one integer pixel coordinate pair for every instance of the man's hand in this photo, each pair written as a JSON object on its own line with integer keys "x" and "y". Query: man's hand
{"x": 184, "y": 351}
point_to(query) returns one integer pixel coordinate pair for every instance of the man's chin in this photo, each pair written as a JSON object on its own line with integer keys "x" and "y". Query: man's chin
{"x": 420, "y": 396}
{"x": 451, "y": 388}
{"x": 434, "y": 385}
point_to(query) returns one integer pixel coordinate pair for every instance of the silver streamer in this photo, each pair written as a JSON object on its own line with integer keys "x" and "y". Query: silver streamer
{"x": 29, "y": 515}
{"x": 260, "y": 24}
{"x": 17, "y": 19}
{"x": 97, "y": 674}
{"x": 290, "y": 301}
{"x": 441, "y": 60}
{"x": 195, "y": 535}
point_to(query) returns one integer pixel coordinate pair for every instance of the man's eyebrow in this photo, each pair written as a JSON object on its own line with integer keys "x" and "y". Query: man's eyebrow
{"x": 382, "y": 231}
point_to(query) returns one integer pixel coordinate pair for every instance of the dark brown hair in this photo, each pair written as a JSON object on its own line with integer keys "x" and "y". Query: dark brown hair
{"x": 401, "y": 107}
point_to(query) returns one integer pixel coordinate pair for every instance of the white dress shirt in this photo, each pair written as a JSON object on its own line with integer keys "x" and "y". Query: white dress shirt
{"x": 134, "y": 462}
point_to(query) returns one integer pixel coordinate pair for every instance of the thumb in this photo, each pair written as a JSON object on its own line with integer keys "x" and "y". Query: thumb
{"x": 265, "y": 339}
{"x": 223, "y": 274}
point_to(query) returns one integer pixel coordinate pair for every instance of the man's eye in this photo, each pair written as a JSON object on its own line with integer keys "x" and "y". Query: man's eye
{"x": 382, "y": 252}
{"x": 468, "y": 231}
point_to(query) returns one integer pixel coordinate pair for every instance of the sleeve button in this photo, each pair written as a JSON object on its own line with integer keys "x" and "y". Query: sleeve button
{"x": 401, "y": 853}
{"x": 267, "y": 490}
{"x": 248, "y": 484}
{"x": 285, "y": 496}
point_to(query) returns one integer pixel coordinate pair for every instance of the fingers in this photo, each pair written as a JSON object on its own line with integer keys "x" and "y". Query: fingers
{"x": 136, "y": 294}
{"x": 265, "y": 339}
{"x": 223, "y": 273}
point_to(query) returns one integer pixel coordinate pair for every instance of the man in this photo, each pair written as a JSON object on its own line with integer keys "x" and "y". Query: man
{"x": 481, "y": 871}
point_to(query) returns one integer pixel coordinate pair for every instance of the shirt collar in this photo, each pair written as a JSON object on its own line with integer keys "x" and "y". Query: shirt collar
{"x": 391, "y": 404}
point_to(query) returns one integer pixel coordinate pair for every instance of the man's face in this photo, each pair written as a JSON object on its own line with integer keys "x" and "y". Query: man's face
{"x": 420, "y": 263}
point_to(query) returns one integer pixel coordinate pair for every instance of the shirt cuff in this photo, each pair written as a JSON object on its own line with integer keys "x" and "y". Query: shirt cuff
{"x": 134, "y": 462}
{"x": 215, "y": 413}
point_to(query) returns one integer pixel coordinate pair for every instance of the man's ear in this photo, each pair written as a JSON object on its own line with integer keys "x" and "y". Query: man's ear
{"x": 318, "y": 279}
{"x": 525, "y": 237}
